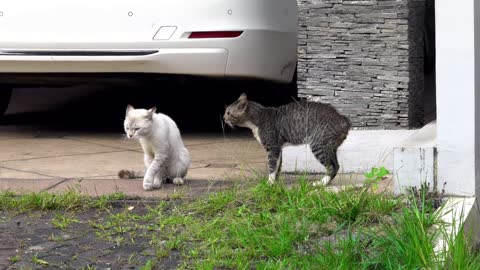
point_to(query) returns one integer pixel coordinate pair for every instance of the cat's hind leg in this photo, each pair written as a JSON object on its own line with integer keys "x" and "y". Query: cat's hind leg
{"x": 179, "y": 167}
{"x": 274, "y": 164}
{"x": 327, "y": 156}
{"x": 178, "y": 181}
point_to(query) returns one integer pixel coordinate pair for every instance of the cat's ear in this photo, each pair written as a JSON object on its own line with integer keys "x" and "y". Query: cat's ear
{"x": 150, "y": 113}
{"x": 242, "y": 103}
{"x": 129, "y": 108}
{"x": 243, "y": 96}
{"x": 152, "y": 110}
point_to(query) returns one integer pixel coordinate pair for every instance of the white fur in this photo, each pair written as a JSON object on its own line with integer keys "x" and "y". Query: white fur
{"x": 254, "y": 130}
{"x": 178, "y": 181}
{"x": 271, "y": 178}
{"x": 325, "y": 181}
{"x": 164, "y": 152}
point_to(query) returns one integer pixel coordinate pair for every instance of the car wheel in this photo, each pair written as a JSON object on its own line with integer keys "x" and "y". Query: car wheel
{"x": 5, "y": 95}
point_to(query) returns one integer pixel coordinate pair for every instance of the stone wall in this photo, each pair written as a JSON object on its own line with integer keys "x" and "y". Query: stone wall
{"x": 365, "y": 58}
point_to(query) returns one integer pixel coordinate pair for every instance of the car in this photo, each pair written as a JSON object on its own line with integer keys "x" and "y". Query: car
{"x": 244, "y": 39}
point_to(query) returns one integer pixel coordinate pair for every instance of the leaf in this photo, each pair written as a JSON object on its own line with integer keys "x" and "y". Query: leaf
{"x": 383, "y": 172}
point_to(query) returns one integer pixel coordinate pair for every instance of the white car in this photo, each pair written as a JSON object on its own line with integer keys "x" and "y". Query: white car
{"x": 216, "y": 38}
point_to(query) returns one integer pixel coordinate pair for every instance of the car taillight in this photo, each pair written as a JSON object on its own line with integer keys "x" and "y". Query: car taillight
{"x": 216, "y": 34}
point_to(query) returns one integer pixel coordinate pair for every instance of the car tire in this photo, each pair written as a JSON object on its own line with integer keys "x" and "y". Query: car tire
{"x": 5, "y": 95}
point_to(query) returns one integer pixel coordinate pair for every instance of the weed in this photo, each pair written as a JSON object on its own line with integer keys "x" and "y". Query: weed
{"x": 14, "y": 259}
{"x": 62, "y": 221}
{"x": 430, "y": 197}
{"x": 38, "y": 261}
{"x": 374, "y": 176}
{"x": 147, "y": 266}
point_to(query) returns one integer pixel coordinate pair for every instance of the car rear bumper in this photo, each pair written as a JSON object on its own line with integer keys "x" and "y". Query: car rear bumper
{"x": 167, "y": 61}
{"x": 257, "y": 54}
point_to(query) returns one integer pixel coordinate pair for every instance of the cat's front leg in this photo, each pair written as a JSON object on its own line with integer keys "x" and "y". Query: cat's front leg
{"x": 147, "y": 160}
{"x": 158, "y": 180}
{"x": 155, "y": 173}
{"x": 274, "y": 164}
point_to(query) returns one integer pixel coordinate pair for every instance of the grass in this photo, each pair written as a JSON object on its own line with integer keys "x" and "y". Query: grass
{"x": 38, "y": 261}
{"x": 14, "y": 259}
{"x": 261, "y": 226}
{"x": 68, "y": 201}
{"x": 62, "y": 221}
{"x": 275, "y": 227}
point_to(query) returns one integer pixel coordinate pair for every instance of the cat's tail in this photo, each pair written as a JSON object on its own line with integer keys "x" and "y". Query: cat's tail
{"x": 129, "y": 174}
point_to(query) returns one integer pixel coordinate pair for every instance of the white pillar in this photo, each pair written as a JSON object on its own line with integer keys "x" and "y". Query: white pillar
{"x": 456, "y": 98}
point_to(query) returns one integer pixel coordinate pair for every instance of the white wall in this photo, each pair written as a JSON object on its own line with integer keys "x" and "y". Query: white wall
{"x": 477, "y": 97}
{"x": 456, "y": 96}
{"x": 362, "y": 150}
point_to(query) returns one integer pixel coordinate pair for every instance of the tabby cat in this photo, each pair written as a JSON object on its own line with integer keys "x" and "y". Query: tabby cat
{"x": 316, "y": 124}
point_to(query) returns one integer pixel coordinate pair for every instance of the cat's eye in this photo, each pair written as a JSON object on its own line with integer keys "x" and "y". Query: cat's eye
{"x": 136, "y": 129}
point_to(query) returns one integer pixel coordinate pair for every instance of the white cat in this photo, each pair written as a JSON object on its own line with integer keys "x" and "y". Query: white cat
{"x": 165, "y": 156}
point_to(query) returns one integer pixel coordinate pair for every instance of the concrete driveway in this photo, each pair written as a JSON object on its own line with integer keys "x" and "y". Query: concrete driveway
{"x": 56, "y": 161}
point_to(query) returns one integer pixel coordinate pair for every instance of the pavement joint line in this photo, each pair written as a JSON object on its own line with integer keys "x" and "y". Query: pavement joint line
{"x": 25, "y": 171}
{"x": 56, "y": 184}
{"x": 199, "y": 167}
{"x": 99, "y": 144}
{"x": 71, "y": 155}
{"x": 95, "y": 177}
{"x": 135, "y": 150}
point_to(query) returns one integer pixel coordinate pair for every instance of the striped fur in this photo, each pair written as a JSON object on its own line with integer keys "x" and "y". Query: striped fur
{"x": 316, "y": 124}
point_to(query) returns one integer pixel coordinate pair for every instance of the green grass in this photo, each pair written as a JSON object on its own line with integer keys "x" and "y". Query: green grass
{"x": 68, "y": 201}
{"x": 147, "y": 266}
{"x": 14, "y": 259}
{"x": 267, "y": 227}
{"x": 62, "y": 221}
{"x": 38, "y": 261}
{"x": 258, "y": 226}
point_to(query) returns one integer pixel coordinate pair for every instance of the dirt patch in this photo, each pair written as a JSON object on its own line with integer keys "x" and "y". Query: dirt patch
{"x": 31, "y": 241}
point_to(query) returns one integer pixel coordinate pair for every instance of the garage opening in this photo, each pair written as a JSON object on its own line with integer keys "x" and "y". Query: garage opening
{"x": 430, "y": 105}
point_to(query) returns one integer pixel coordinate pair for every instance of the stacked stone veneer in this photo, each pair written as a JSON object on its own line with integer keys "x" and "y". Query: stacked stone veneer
{"x": 365, "y": 58}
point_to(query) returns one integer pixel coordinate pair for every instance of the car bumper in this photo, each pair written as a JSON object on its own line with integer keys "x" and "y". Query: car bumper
{"x": 268, "y": 55}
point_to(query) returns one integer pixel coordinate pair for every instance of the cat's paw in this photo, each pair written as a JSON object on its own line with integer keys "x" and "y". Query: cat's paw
{"x": 148, "y": 186}
{"x": 178, "y": 181}
{"x": 157, "y": 182}
{"x": 156, "y": 185}
{"x": 271, "y": 178}
{"x": 325, "y": 181}
{"x": 148, "y": 183}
